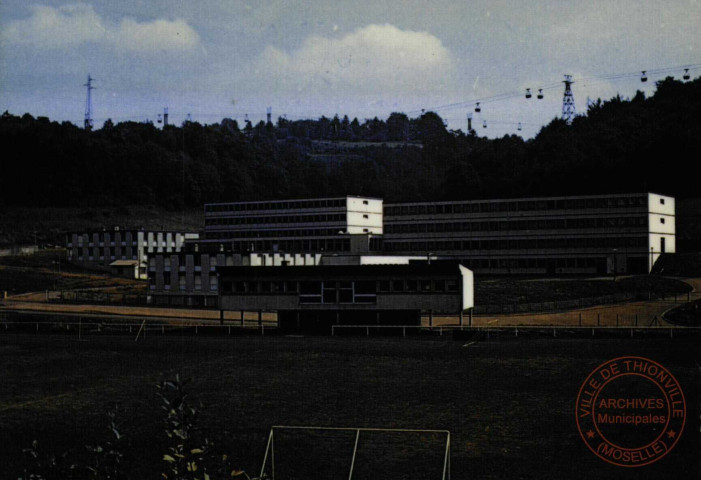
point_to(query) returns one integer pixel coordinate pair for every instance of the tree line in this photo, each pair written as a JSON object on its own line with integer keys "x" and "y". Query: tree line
{"x": 620, "y": 145}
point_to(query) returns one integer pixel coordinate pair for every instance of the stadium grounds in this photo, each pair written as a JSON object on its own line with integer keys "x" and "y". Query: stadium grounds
{"x": 507, "y": 401}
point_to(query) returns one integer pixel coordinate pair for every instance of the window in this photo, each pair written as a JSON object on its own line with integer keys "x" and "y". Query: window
{"x": 365, "y": 292}
{"x": 661, "y": 201}
{"x": 310, "y": 292}
{"x": 383, "y": 285}
{"x": 329, "y": 292}
{"x": 345, "y": 292}
{"x": 661, "y": 220}
{"x": 398, "y": 285}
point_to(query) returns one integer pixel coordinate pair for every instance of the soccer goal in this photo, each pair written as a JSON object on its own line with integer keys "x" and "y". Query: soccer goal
{"x": 322, "y": 453}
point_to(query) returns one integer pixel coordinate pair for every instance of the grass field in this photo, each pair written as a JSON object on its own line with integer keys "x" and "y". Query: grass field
{"x": 50, "y": 270}
{"x": 509, "y": 403}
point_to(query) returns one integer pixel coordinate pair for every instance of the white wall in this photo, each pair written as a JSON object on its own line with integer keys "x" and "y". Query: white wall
{"x": 468, "y": 288}
{"x": 661, "y": 208}
{"x": 357, "y": 209}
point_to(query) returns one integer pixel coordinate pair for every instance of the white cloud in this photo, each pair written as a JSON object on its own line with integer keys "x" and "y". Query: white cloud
{"x": 72, "y": 25}
{"x": 376, "y": 59}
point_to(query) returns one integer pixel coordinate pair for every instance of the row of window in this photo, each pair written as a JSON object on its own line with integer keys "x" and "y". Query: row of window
{"x": 332, "y": 291}
{"x": 182, "y": 282}
{"x": 516, "y": 244}
{"x": 517, "y": 205}
{"x": 317, "y": 232}
{"x": 282, "y": 205}
{"x": 257, "y": 220}
{"x": 517, "y": 225}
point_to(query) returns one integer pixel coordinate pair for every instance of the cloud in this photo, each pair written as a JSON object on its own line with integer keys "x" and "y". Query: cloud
{"x": 376, "y": 59}
{"x": 73, "y": 25}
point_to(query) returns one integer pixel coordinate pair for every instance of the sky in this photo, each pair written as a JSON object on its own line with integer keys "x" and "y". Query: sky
{"x": 304, "y": 59}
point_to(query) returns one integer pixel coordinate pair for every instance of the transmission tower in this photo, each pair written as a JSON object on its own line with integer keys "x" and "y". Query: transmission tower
{"x": 88, "y": 104}
{"x": 568, "y": 110}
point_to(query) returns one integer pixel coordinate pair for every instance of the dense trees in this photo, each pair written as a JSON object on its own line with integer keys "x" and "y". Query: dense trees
{"x": 620, "y": 145}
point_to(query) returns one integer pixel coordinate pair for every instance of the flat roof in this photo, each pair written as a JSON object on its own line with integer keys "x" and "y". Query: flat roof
{"x": 419, "y": 268}
{"x": 281, "y": 200}
{"x": 524, "y": 199}
{"x": 124, "y": 263}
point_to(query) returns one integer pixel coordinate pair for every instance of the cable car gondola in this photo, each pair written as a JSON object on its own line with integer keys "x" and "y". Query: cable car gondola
{"x": 484, "y": 124}
{"x": 519, "y": 126}
{"x": 528, "y": 93}
{"x": 478, "y": 108}
{"x": 643, "y": 76}
{"x": 540, "y": 94}
{"x": 686, "y": 75}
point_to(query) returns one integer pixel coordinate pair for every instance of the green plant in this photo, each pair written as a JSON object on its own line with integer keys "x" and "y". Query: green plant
{"x": 107, "y": 460}
{"x": 185, "y": 457}
{"x": 46, "y": 466}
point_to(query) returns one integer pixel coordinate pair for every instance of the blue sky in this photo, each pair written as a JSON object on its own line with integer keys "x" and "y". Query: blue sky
{"x": 216, "y": 59}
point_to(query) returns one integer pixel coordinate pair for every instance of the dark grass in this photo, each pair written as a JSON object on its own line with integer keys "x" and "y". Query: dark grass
{"x": 48, "y": 225}
{"x": 495, "y": 291}
{"x": 688, "y": 315}
{"x": 49, "y": 269}
{"x": 508, "y": 402}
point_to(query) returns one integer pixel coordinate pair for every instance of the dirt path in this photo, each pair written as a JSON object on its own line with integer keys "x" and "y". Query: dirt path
{"x": 627, "y": 314}
{"x": 623, "y": 314}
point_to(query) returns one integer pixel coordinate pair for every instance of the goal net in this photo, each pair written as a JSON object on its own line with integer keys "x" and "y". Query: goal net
{"x": 323, "y": 453}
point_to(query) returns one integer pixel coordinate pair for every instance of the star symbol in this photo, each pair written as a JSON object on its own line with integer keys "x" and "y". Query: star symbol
{"x": 671, "y": 434}
{"x": 590, "y": 434}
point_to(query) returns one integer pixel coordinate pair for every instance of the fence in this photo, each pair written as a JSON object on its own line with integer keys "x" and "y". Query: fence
{"x": 475, "y": 332}
{"x": 82, "y": 328}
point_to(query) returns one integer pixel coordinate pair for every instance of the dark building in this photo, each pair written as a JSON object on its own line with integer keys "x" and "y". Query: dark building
{"x": 313, "y": 298}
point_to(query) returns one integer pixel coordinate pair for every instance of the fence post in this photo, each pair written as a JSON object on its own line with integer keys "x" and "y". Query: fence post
{"x": 598, "y": 319}
{"x": 580, "y": 319}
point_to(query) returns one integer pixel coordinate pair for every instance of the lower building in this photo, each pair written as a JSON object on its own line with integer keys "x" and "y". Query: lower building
{"x": 313, "y": 298}
{"x": 99, "y": 249}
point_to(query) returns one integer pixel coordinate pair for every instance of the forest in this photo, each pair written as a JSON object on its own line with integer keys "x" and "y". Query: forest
{"x": 619, "y": 145}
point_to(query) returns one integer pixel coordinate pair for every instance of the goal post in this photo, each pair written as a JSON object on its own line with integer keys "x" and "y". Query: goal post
{"x": 340, "y": 452}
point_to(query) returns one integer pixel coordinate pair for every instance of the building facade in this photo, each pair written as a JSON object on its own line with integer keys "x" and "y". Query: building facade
{"x": 343, "y": 224}
{"x": 99, "y": 249}
{"x": 555, "y": 235}
{"x": 312, "y": 299}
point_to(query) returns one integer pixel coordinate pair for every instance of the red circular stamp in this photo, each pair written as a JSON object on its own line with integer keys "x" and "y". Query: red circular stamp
{"x": 630, "y": 411}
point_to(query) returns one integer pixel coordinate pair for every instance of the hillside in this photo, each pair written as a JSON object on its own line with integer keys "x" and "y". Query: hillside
{"x": 621, "y": 145}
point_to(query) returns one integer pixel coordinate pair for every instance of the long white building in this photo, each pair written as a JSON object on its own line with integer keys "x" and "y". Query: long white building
{"x": 343, "y": 224}
{"x": 550, "y": 235}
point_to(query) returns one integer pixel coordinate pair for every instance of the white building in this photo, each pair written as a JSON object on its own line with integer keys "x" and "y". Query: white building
{"x": 99, "y": 249}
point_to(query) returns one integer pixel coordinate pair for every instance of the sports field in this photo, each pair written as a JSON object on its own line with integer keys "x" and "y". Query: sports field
{"x": 508, "y": 402}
